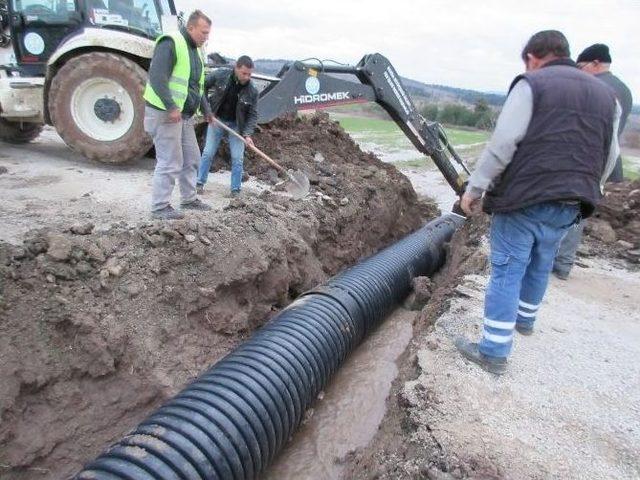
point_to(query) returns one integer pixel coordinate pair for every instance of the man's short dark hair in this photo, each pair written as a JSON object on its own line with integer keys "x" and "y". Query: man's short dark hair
{"x": 547, "y": 42}
{"x": 244, "y": 61}
{"x": 197, "y": 15}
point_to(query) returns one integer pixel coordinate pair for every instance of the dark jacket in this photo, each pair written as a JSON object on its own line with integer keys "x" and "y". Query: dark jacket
{"x": 623, "y": 94}
{"x": 162, "y": 63}
{"x": 564, "y": 152}
{"x": 216, "y": 85}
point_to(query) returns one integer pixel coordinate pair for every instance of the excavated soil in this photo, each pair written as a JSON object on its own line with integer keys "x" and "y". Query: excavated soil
{"x": 97, "y": 328}
{"x": 614, "y": 230}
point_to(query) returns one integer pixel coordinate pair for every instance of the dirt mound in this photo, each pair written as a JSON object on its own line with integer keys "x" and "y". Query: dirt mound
{"x": 98, "y": 328}
{"x": 615, "y": 227}
{"x": 344, "y": 179}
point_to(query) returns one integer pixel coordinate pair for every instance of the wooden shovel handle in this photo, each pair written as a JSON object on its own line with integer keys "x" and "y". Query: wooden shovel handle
{"x": 252, "y": 147}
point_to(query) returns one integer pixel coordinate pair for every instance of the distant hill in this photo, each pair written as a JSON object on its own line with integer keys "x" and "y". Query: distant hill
{"x": 270, "y": 67}
{"x": 428, "y": 92}
{"x": 439, "y": 93}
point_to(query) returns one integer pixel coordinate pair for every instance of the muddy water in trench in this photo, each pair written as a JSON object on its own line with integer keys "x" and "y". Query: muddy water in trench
{"x": 347, "y": 416}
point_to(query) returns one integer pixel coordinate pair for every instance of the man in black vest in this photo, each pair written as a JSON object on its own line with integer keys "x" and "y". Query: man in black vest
{"x": 553, "y": 146}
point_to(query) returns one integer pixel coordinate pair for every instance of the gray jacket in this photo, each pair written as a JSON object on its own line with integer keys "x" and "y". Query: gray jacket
{"x": 216, "y": 85}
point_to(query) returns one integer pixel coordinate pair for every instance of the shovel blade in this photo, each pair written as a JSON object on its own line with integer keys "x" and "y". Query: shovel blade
{"x": 297, "y": 184}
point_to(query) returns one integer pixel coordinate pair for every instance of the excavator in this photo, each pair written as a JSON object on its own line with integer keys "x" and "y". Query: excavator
{"x": 315, "y": 85}
{"x": 81, "y": 66}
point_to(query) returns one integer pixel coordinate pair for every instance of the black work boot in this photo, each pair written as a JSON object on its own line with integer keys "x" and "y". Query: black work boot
{"x": 561, "y": 274}
{"x": 167, "y": 213}
{"x": 470, "y": 351}
{"x": 197, "y": 204}
{"x": 199, "y": 189}
{"x": 524, "y": 330}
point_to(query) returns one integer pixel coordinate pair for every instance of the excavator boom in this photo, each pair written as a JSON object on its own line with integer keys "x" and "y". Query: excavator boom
{"x": 316, "y": 85}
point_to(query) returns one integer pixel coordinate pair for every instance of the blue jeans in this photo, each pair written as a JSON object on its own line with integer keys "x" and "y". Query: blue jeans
{"x": 566, "y": 256}
{"x": 236, "y": 146}
{"x": 523, "y": 245}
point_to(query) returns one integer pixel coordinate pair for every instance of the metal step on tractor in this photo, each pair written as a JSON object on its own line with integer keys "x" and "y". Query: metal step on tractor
{"x": 81, "y": 66}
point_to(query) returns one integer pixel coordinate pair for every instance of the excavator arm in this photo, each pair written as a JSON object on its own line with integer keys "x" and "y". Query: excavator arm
{"x": 315, "y": 85}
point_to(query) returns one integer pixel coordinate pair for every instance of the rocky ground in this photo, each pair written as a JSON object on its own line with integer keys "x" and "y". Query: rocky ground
{"x": 615, "y": 228}
{"x": 99, "y": 325}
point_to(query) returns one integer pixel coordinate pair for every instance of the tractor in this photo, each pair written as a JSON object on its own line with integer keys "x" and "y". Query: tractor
{"x": 80, "y": 66}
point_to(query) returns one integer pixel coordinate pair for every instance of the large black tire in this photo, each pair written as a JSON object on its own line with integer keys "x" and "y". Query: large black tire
{"x": 134, "y": 142}
{"x": 19, "y": 132}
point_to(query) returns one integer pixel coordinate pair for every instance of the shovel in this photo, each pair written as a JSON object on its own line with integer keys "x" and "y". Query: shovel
{"x": 298, "y": 184}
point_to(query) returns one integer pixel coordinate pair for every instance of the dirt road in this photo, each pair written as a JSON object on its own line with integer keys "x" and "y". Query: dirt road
{"x": 46, "y": 183}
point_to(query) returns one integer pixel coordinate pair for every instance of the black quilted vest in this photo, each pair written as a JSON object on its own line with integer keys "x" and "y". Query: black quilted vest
{"x": 563, "y": 154}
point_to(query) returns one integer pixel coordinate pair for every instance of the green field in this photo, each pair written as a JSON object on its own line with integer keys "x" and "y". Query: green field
{"x": 631, "y": 167}
{"x": 386, "y": 139}
{"x": 392, "y": 144}
{"x": 388, "y": 132}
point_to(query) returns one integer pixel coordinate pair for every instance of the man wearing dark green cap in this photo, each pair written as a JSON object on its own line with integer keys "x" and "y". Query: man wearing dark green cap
{"x": 595, "y": 60}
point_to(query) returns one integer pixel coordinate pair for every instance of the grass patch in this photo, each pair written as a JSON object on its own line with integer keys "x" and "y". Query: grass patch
{"x": 363, "y": 124}
{"x": 387, "y": 132}
{"x": 466, "y": 137}
{"x": 631, "y": 167}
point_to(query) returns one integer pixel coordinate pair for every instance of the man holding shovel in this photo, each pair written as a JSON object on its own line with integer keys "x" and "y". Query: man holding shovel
{"x": 234, "y": 102}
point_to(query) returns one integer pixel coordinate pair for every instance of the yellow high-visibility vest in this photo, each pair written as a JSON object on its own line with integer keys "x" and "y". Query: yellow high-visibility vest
{"x": 179, "y": 80}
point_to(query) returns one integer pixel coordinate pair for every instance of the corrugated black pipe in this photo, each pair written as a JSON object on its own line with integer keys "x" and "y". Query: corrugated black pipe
{"x": 232, "y": 420}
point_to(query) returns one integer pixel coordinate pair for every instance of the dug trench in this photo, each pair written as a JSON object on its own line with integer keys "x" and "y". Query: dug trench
{"x": 98, "y": 328}
{"x": 410, "y": 443}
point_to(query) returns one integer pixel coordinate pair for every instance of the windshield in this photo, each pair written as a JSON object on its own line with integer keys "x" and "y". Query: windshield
{"x": 139, "y": 15}
{"x": 45, "y": 10}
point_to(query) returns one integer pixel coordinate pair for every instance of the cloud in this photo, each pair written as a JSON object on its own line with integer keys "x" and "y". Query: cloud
{"x": 466, "y": 43}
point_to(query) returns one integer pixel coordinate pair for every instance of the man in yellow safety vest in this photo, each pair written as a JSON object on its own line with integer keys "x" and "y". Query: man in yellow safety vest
{"x": 173, "y": 95}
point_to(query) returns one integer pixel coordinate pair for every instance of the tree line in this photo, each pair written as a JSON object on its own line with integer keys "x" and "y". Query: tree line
{"x": 480, "y": 115}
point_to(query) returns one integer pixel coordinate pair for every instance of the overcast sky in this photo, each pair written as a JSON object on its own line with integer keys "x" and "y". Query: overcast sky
{"x": 461, "y": 43}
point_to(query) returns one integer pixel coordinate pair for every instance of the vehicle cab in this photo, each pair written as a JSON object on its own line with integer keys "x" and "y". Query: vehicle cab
{"x": 37, "y": 28}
